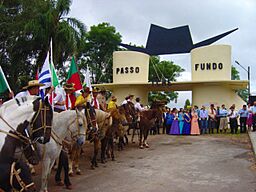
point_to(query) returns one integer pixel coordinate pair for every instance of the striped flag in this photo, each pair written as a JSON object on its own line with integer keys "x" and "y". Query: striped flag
{"x": 45, "y": 76}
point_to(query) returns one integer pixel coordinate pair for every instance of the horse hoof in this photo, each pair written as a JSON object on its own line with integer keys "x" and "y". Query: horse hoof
{"x": 59, "y": 183}
{"x": 146, "y": 145}
{"x": 141, "y": 147}
{"x": 71, "y": 174}
{"x": 69, "y": 187}
{"x": 92, "y": 167}
{"x": 133, "y": 141}
{"x": 78, "y": 173}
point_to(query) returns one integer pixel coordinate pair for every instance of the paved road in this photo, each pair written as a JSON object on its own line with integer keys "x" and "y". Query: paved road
{"x": 173, "y": 164}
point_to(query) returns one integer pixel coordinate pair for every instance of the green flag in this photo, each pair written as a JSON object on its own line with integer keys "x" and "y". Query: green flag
{"x": 55, "y": 81}
{"x": 4, "y": 86}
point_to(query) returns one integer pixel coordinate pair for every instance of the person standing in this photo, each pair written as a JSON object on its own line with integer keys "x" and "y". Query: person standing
{"x": 175, "y": 129}
{"x": 233, "y": 120}
{"x": 195, "y": 130}
{"x": 181, "y": 120}
{"x": 212, "y": 118}
{"x": 243, "y": 113}
{"x": 187, "y": 123}
{"x": 218, "y": 118}
{"x": 223, "y": 113}
{"x": 249, "y": 118}
{"x": 169, "y": 120}
{"x": 203, "y": 119}
{"x": 253, "y": 111}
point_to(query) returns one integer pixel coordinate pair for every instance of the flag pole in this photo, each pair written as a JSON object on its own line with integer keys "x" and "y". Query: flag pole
{"x": 51, "y": 59}
{"x": 1, "y": 70}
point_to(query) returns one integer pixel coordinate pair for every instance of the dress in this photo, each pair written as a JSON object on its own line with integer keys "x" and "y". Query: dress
{"x": 181, "y": 122}
{"x": 194, "y": 125}
{"x": 187, "y": 125}
{"x": 175, "y": 130}
{"x": 249, "y": 120}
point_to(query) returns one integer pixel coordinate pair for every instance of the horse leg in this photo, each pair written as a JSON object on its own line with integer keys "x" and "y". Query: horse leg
{"x": 126, "y": 140}
{"x": 145, "y": 138}
{"x": 103, "y": 150}
{"x": 133, "y": 133}
{"x": 141, "y": 132}
{"x": 46, "y": 165}
{"x": 76, "y": 160}
{"x": 70, "y": 163}
{"x": 96, "y": 148}
{"x": 111, "y": 144}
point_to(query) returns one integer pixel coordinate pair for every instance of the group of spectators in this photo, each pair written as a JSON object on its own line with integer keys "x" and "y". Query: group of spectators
{"x": 195, "y": 121}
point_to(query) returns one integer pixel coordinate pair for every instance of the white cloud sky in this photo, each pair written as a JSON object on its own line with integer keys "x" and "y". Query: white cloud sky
{"x": 205, "y": 18}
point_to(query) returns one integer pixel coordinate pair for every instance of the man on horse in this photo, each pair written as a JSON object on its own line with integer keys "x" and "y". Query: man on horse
{"x": 31, "y": 89}
{"x": 70, "y": 95}
{"x": 95, "y": 102}
{"x": 102, "y": 99}
{"x": 112, "y": 103}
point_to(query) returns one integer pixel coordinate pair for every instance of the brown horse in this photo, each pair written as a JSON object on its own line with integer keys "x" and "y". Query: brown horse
{"x": 147, "y": 120}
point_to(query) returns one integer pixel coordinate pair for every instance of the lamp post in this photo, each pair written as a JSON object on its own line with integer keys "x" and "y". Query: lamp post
{"x": 248, "y": 73}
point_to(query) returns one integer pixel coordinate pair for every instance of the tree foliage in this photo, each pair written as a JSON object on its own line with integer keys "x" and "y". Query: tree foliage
{"x": 163, "y": 70}
{"x": 100, "y": 43}
{"x": 26, "y": 30}
{"x": 243, "y": 93}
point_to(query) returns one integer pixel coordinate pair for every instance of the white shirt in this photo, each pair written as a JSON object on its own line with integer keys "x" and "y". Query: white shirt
{"x": 59, "y": 98}
{"x": 233, "y": 115}
{"x": 23, "y": 94}
{"x": 124, "y": 102}
{"x": 138, "y": 107}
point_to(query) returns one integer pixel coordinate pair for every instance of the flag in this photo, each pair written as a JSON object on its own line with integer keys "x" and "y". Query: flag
{"x": 45, "y": 76}
{"x": 87, "y": 80}
{"x": 4, "y": 86}
{"x": 55, "y": 81}
{"x": 73, "y": 75}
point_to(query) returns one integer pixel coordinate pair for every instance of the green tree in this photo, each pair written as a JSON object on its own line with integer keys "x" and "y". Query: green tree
{"x": 163, "y": 70}
{"x": 187, "y": 104}
{"x": 26, "y": 30}
{"x": 243, "y": 93}
{"x": 101, "y": 41}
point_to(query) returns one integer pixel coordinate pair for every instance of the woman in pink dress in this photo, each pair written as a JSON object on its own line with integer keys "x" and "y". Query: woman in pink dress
{"x": 249, "y": 119}
{"x": 194, "y": 123}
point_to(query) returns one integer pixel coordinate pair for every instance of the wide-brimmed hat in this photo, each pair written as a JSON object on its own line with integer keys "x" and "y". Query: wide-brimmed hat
{"x": 103, "y": 90}
{"x": 95, "y": 90}
{"x": 33, "y": 83}
{"x": 69, "y": 86}
{"x": 113, "y": 98}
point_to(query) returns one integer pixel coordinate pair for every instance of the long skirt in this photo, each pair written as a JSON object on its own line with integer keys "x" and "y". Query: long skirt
{"x": 175, "y": 129}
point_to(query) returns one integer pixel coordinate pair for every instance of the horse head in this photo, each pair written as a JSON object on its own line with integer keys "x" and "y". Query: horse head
{"x": 77, "y": 128}
{"x": 41, "y": 122}
{"x": 20, "y": 177}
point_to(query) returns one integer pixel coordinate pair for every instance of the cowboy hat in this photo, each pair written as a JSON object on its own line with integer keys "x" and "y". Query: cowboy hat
{"x": 86, "y": 90}
{"x": 33, "y": 83}
{"x": 69, "y": 86}
{"x": 95, "y": 90}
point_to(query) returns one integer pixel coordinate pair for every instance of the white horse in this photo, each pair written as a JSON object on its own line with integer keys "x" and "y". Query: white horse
{"x": 17, "y": 117}
{"x": 68, "y": 125}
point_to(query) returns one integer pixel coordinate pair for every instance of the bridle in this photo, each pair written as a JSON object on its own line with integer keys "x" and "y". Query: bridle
{"x": 73, "y": 135}
{"x": 42, "y": 111}
{"x": 16, "y": 173}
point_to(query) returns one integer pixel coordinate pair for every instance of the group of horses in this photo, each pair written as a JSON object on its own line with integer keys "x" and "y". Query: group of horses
{"x": 31, "y": 132}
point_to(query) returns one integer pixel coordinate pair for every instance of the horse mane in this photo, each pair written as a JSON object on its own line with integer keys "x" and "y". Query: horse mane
{"x": 20, "y": 101}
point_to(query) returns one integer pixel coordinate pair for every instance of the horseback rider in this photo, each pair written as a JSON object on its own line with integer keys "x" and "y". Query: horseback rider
{"x": 83, "y": 102}
{"x": 31, "y": 89}
{"x": 102, "y": 99}
{"x": 70, "y": 95}
{"x": 95, "y": 102}
{"x": 112, "y": 103}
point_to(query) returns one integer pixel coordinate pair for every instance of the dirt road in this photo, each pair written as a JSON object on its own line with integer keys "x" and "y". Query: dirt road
{"x": 173, "y": 164}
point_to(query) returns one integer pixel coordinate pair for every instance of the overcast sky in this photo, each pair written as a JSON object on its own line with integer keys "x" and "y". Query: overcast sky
{"x": 206, "y": 18}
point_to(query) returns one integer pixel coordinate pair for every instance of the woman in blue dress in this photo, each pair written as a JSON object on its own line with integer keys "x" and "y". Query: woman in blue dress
{"x": 175, "y": 130}
{"x": 169, "y": 119}
{"x": 187, "y": 123}
{"x": 181, "y": 120}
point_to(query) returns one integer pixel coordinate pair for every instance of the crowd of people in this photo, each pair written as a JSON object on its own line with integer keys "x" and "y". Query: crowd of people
{"x": 195, "y": 121}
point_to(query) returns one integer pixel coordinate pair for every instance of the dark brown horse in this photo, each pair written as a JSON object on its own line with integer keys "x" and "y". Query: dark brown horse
{"x": 147, "y": 120}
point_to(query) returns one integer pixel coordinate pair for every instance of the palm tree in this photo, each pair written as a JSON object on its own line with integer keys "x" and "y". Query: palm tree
{"x": 52, "y": 22}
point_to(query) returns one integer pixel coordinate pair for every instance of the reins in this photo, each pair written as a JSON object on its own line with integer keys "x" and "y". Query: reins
{"x": 16, "y": 173}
